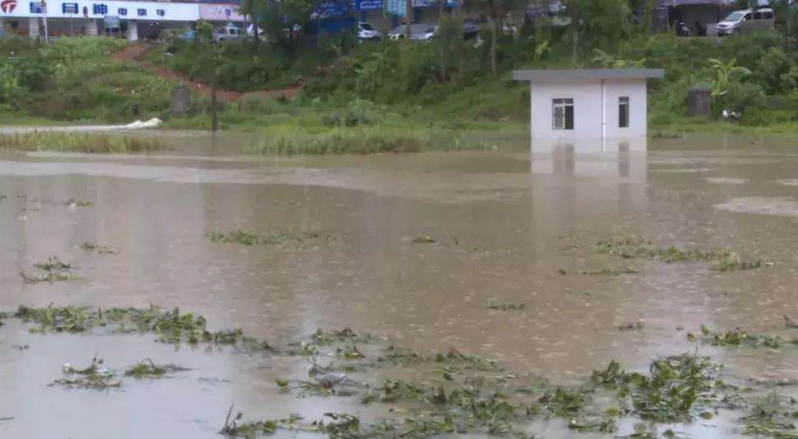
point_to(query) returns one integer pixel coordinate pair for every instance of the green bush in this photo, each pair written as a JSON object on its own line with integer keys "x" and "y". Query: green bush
{"x": 760, "y": 117}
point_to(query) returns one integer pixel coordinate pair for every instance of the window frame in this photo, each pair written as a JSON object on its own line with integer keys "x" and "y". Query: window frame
{"x": 561, "y": 122}
{"x": 624, "y": 112}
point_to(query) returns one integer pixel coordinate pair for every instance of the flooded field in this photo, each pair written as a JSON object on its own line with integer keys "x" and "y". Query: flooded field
{"x": 491, "y": 253}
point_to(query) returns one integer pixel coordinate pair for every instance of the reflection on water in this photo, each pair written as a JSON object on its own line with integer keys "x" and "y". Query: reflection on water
{"x": 507, "y": 224}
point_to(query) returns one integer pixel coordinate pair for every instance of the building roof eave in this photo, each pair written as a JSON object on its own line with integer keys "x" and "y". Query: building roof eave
{"x": 568, "y": 75}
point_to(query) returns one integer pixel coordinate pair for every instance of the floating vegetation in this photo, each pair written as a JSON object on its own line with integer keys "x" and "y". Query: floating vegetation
{"x": 738, "y": 337}
{"x": 770, "y": 416}
{"x": 73, "y": 203}
{"x": 169, "y": 326}
{"x": 148, "y": 369}
{"x": 424, "y": 239}
{"x": 101, "y": 249}
{"x": 52, "y": 263}
{"x": 460, "y": 394}
{"x": 54, "y": 269}
{"x": 239, "y": 237}
{"x": 636, "y": 326}
{"x": 610, "y": 272}
{"x": 247, "y": 237}
{"x": 734, "y": 263}
{"x": 92, "y": 377}
{"x": 679, "y": 387}
{"x": 494, "y": 305}
{"x": 50, "y": 276}
{"x": 236, "y": 428}
{"x": 641, "y": 249}
{"x": 322, "y": 337}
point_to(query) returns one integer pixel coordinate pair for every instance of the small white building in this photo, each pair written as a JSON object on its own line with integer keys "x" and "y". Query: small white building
{"x": 568, "y": 105}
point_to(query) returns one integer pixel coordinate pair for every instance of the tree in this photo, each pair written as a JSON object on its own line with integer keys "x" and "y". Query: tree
{"x": 251, "y": 9}
{"x": 601, "y": 24}
{"x": 279, "y": 17}
{"x": 496, "y": 11}
{"x": 210, "y": 57}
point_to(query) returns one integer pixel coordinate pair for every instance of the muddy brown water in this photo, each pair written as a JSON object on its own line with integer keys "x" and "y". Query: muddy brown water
{"x": 505, "y": 224}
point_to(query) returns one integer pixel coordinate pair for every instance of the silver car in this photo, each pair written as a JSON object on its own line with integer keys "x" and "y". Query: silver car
{"x": 746, "y": 21}
{"x": 229, "y": 33}
{"x": 418, "y": 32}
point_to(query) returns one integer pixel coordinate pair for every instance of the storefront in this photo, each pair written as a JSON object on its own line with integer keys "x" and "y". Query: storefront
{"x": 134, "y": 19}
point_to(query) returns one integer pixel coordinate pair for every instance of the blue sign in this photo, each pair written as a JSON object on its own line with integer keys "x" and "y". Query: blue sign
{"x": 329, "y": 8}
{"x": 69, "y": 8}
{"x": 36, "y": 8}
{"x": 142, "y": 12}
{"x": 122, "y": 12}
{"x": 99, "y": 9}
{"x": 397, "y": 7}
{"x": 368, "y": 5}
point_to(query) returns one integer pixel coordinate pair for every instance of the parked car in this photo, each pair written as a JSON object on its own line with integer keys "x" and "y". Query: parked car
{"x": 746, "y": 21}
{"x": 470, "y": 29}
{"x": 366, "y": 32}
{"x": 418, "y": 32}
{"x": 228, "y": 33}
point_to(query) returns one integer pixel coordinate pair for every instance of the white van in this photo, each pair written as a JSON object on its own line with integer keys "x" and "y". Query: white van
{"x": 746, "y": 21}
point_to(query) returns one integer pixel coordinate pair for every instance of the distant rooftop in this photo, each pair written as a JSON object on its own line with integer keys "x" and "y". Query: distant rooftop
{"x": 585, "y": 74}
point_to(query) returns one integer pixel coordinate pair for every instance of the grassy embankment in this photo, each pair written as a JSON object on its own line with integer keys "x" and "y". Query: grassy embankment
{"x": 386, "y": 96}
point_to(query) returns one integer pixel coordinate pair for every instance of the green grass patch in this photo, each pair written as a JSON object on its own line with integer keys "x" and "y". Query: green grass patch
{"x": 367, "y": 140}
{"x": 73, "y": 142}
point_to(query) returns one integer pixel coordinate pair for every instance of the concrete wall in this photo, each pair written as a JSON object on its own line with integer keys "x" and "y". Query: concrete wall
{"x": 587, "y": 96}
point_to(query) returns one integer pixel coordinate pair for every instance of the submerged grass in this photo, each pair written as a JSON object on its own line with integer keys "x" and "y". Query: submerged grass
{"x": 77, "y": 142}
{"x": 246, "y": 237}
{"x": 738, "y": 337}
{"x": 370, "y": 140}
{"x": 148, "y": 369}
{"x": 95, "y": 376}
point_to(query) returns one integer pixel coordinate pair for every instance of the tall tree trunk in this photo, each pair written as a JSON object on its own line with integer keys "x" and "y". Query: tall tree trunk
{"x": 649, "y": 5}
{"x": 408, "y": 20}
{"x": 461, "y": 44}
{"x": 574, "y": 32}
{"x": 255, "y": 32}
{"x": 444, "y": 49}
{"x": 214, "y": 116}
{"x": 494, "y": 24}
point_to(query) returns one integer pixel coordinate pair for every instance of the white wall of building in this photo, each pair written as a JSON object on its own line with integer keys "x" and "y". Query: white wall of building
{"x": 588, "y": 96}
{"x": 636, "y": 91}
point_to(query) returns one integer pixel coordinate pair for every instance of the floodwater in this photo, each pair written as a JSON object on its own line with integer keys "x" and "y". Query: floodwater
{"x": 507, "y": 224}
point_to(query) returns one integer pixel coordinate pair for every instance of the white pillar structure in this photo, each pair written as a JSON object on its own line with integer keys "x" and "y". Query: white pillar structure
{"x": 132, "y": 31}
{"x": 91, "y": 27}
{"x": 33, "y": 27}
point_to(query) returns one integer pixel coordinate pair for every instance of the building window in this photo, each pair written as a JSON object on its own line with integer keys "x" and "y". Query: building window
{"x": 623, "y": 112}
{"x": 141, "y": 12}
{"x": 563, "y": 112}
{"x": 160, "y": 12}
{"x": 122, "y": 12}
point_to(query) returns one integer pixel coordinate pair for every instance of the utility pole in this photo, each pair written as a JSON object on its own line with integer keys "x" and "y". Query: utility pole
{"x": 44, "y": 12}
